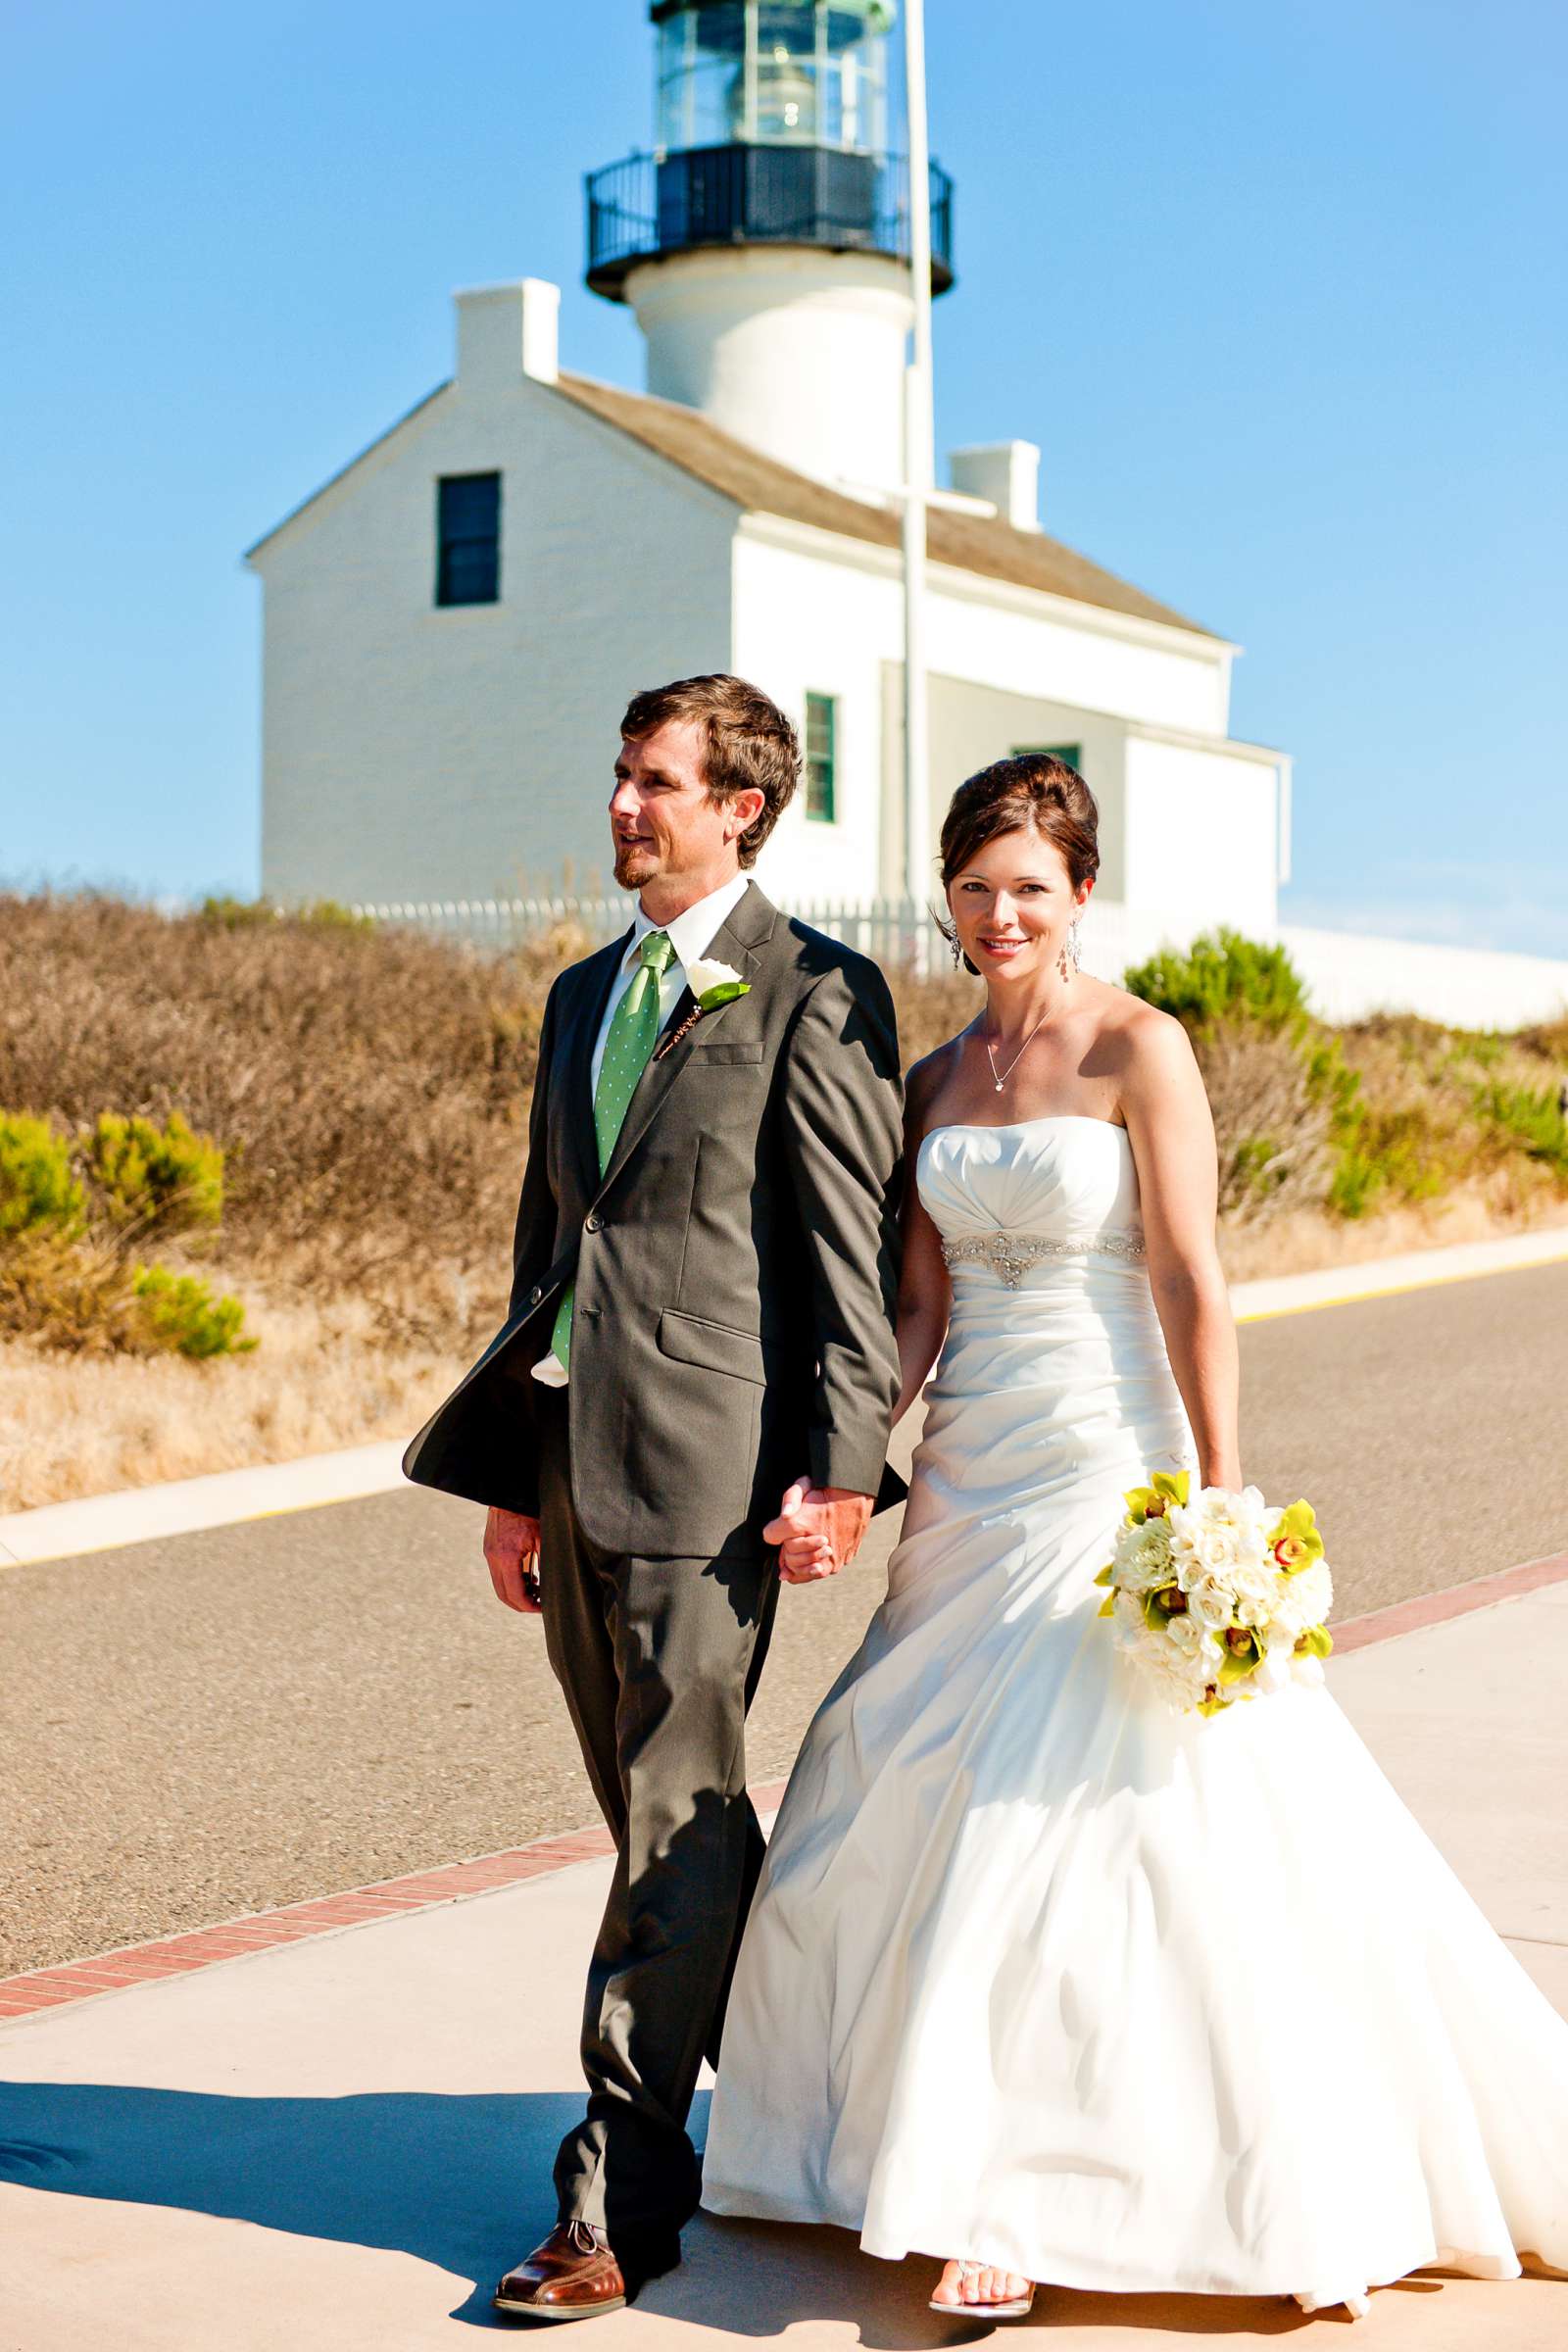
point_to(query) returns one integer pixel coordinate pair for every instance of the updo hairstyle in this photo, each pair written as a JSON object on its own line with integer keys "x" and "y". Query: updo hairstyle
{"x": 1033, "y": 792}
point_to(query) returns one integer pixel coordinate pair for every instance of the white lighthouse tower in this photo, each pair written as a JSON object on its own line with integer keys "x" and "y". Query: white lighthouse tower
{"x": 763, "y": 245}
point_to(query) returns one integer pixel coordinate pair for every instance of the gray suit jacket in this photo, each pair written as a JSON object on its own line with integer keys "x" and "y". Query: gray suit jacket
{"x": 736, "y": 1263}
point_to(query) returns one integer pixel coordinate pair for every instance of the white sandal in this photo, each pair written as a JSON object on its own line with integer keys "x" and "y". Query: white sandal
{"x": 1357, "y": 2306}
{"x": 1019, "y": 2309}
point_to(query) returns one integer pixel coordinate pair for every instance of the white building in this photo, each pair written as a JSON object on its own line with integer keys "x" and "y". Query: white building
{"x": 455, "y": 623}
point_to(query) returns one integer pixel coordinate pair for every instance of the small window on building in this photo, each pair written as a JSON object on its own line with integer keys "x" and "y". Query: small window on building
{"x": 1072, "y": 753}
{"x": 468, "y": 529}
{"x": 821, "y": 758}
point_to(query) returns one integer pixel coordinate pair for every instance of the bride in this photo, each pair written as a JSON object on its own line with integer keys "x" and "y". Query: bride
{"x": 1040, "y": 1978}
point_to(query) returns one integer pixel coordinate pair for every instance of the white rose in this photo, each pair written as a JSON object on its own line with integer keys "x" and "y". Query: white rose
{"x": 1193, "y": 1644}
{"x": 1128, "y": 1621}
{"x": 1209, "y": 1603}
{"x": 701, "y": 975}
{"x": 1221, "y": 1532}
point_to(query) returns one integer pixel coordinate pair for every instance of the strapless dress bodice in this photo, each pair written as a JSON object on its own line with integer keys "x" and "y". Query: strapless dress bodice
{"x": 1011, "y": 1202}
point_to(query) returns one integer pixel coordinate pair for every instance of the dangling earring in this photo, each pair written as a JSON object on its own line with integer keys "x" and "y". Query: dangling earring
{"x": 957, "y": 952}
{"x": 1074, "y": 955}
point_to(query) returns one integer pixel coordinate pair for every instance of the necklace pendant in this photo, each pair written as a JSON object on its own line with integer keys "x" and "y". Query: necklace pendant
{"x": 1001, "y": 1083}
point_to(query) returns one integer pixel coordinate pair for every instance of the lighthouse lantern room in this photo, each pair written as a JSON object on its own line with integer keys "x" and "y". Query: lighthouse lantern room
{"x": 764, "y": 243}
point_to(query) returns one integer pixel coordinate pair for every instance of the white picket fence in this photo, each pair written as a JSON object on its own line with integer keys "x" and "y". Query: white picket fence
{"x": 891, "y": 930}
{"x": 1347, "y": 973}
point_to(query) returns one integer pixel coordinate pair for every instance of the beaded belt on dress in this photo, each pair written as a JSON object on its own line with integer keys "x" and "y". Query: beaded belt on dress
{"x": 1012, "y": 1254}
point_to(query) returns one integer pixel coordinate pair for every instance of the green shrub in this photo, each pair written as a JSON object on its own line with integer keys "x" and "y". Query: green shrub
{"x": 1221, "y": 974}
{"x": 72, "y": 1296}
{"x": 159, "y": 1179}
{"x": 180, "y": 1312}
{"x": 38, "y": 1190}
{"x": 1533, "y": 1118}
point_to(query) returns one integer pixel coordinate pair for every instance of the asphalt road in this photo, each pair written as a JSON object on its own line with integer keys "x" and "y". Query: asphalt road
{"x": 222, "y": 1722}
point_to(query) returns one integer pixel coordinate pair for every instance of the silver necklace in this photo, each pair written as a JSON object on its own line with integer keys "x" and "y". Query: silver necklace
{"x": 1001, "y": 1076}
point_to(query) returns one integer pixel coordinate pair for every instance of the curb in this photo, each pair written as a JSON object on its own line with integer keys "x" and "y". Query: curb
{"x": 42, "y": 1989}
{"x": 186, "y": 1506}
{"x": 58, "y": 1531}
{"x": 1386, "y": 1277}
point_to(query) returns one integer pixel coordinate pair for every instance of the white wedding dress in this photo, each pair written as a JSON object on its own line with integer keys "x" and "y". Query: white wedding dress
{"x": 1044, "y": 1976}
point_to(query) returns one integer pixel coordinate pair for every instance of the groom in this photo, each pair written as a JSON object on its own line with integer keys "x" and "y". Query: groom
{"x": 698, "y": 1362}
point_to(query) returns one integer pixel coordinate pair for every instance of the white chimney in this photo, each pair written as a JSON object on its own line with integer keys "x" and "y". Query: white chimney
{"x": 507, "y": 332}
{"x": 1007, "y": 473}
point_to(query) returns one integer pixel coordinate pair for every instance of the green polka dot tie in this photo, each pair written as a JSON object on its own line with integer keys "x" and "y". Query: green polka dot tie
{"x": 633, "y": 1035}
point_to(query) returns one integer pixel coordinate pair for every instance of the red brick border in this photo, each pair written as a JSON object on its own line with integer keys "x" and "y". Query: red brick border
{"x": 1437, "y": 1608}
{"x": 423, "y": 1889}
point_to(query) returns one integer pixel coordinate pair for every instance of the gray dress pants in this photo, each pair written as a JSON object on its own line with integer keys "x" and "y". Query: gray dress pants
{"x": 657, "y": 1659}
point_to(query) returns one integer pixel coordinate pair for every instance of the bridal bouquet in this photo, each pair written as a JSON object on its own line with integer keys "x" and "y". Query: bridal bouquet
{"x": 1217, "y": 1596}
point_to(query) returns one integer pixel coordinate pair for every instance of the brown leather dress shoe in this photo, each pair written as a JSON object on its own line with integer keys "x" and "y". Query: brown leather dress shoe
{"x": 573, "y": 2276}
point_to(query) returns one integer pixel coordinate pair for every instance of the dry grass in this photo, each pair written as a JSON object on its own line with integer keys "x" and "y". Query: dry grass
{"x": 1304, "y": 1240}
{"x": 320, "y": 1379}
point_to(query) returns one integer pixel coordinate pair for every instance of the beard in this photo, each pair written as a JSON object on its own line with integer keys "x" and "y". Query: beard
{"x": 636, "y": 863}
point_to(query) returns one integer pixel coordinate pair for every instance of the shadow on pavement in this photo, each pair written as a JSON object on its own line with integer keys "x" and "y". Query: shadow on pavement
{"x": 462, "y": 2181}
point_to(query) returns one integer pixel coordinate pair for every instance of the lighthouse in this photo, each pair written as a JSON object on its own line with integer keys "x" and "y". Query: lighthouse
{"x": 764, "y": 244}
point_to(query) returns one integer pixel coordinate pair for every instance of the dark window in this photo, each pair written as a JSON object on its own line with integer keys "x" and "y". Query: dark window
{"x": 821, "y": 758}
{"x": 468, "y": 530}
{"x": 1072, "y": 753}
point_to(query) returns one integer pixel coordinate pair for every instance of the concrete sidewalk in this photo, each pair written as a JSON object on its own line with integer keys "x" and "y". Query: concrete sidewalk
{"x": 340, "y": 2143}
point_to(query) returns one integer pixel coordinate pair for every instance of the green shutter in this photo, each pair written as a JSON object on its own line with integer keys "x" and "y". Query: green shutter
{"x": 821, "y": 758}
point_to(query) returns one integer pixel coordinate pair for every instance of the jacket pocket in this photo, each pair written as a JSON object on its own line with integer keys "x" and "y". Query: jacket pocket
{"x": 713, "y": 1347}
{"x": 728, "y": 1050}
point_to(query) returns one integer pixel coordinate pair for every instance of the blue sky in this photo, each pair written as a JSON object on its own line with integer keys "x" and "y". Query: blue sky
{"x": 1279, "y": 292}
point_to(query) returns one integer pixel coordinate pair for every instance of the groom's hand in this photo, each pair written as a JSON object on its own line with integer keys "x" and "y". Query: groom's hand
{"x": 511, "y": 1556}
{"x": 819, "y": 1530}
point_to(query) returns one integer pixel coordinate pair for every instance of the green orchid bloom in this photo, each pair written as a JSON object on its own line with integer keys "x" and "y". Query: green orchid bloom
{"x": 1160, "y": 1608}
{"x": 1316, "y": 1642}
{"x": 1296, "y": 1543}
{"x": 1154, "y": 1501}
{"x": 1242, "y": 1653}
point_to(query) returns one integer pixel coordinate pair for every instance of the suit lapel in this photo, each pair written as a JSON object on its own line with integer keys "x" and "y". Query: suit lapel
{"x": 748, "y": 925}
{"x": 596, "y": 980}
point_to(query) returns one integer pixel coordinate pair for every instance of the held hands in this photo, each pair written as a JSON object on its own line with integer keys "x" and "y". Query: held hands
{"x": 511, "y": 1556}
{"x": 819, "y": 1530}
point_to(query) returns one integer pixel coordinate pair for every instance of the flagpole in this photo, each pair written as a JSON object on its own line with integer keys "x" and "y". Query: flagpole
{"x": 919, "y": 468}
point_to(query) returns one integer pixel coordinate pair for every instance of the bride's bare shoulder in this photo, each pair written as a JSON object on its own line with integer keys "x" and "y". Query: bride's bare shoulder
{"x": 926, "y": 1079}
{"x": 1144, "y": 1047}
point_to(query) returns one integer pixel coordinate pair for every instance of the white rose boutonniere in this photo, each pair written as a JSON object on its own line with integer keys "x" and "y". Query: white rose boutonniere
{"x": 714, "y": 984}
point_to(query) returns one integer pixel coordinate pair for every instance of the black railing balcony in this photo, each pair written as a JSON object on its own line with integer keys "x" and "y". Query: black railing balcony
{"x": 832, "y": 197}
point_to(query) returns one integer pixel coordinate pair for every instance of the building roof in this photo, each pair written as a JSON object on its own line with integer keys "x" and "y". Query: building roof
{"x": 977, "y": 543}
{"x": 982, "y": 544}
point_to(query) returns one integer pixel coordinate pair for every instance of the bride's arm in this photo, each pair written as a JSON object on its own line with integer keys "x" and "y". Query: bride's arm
{"x": 1172, "y": 1136}
{"x": 924, "y": 1293}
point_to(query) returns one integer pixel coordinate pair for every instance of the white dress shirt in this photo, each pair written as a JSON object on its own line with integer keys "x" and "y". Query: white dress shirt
{"x": 691, "y": 935}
